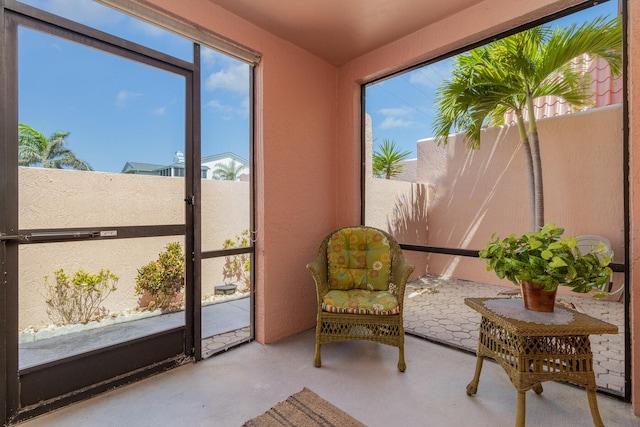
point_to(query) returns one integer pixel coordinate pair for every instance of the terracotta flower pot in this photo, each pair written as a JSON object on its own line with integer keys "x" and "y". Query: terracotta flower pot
{"x": 536, "y": 298}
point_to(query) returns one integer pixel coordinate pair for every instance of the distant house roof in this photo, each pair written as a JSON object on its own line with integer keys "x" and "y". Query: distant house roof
{"x": 178, "y": 166}
{"x": 223, "y": 156}
{"x": 140, "y": 168}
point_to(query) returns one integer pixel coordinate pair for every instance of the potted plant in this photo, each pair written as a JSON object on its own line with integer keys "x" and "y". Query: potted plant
{"x": 540, "y": 262}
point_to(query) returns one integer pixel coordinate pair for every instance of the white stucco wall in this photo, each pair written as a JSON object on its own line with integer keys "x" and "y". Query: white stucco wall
{"x": 50, "y": 198}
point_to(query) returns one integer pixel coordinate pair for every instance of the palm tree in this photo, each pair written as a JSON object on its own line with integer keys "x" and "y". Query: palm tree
{"x": 34, "y": 148}
{"x": 387, "y": 162}
{"x": 228, "y": 171}
{"x": 509, "y": 74}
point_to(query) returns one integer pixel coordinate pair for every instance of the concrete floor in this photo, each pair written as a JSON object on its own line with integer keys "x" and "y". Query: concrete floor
{"x": 359, "y": 377}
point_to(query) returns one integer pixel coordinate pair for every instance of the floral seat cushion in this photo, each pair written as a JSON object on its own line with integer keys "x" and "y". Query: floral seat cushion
{"x": 358, "y": 258}
{"x": 360, "y": 301}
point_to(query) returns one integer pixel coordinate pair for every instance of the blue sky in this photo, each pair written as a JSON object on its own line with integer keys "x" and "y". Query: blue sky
{"x": 402, "y": 107}
{"x": 118, "y": 110}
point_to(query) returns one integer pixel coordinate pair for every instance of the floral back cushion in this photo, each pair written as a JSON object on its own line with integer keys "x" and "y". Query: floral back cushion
{"x": 359, "y": 258}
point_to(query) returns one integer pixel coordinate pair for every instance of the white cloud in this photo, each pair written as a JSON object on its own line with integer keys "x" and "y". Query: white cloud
{"x": 147, "y": 29}
{"x": 399, "y": 111}
{"x": 87, "y": 12}
{"x": 432, "y": 75}
{"x": 229, "y": 111}
{"x": 396, "y": 122}
{"x": 159, "y": 111}
{"x": 208, "y": 56}
{"x": 234, "y": 78}
{"x": 124, "y": 96}
{"x": 217, "y": 105}
{"x": 396, "y": 118}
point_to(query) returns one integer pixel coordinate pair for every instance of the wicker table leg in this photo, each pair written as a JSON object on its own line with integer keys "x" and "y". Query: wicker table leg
{"x": 593, "y": 406}
{"x": 472, "y": 387}
{"x": 521, "y": 408}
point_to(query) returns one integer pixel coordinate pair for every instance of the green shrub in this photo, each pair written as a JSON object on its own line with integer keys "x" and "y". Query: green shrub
{"x": 237, "y": 268}
{"x": 163, "y": 279}
{"x": 546, "y": 258}
{"x": 79, "y": 299}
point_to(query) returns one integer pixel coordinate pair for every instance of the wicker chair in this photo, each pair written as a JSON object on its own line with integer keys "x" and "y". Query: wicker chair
{"x": 360, "y": 276}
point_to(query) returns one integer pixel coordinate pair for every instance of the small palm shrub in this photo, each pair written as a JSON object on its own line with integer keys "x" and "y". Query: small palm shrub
{"x": 162, "y": 279}
{"x": 387, "y": 160}
{"x": 78, "y": 299}
{"x": 237, "y": 268}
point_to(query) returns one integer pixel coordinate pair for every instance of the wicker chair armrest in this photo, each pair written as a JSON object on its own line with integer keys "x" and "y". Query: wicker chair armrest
{"x": 318, "y": 271}
{"x": 400, "y": 272}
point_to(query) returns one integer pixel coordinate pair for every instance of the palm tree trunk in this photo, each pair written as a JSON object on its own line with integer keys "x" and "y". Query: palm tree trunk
{"x": 534, "y": 143}
{"x": 524, "y": 140}
{"x": 537, "y": 176}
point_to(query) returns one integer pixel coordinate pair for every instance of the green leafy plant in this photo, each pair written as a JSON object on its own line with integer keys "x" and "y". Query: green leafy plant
{"x": 78, "y": 299}
{"x": 547, "y": 259}
{"x": 237, "y": 268}
{"x": 163, "y": 279}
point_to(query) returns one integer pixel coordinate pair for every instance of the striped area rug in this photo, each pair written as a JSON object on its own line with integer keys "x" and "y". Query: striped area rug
{"x": 304, "y": 409}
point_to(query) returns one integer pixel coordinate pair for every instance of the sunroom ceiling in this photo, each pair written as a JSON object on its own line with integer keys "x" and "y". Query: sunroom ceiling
{"x": 341, "y": 30}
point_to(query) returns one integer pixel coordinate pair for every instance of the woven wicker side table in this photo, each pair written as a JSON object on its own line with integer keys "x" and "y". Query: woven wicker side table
{"x": 534, "y": 352}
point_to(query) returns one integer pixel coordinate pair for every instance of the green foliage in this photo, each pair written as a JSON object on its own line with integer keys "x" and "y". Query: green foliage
{"x": 387, "y": 162}
{"x": 34, "y": 148}
{"x": 545, "y": 258}
{"x": 237, "y": 268}
{"x": 163, "y": 279}
{"x": 511, "y": 73}
{"x": 228, "y": 171}
{"x": 78, "y": 299}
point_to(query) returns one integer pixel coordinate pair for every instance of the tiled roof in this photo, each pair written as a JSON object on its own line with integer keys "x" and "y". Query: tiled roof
{"x": 605, "y": 91}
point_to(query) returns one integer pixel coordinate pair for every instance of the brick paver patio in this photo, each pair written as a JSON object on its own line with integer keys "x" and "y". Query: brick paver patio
{"x": 434, "y": 309}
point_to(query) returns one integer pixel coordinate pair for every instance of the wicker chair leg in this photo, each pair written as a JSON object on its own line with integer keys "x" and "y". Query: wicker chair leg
{"x": 401, "y": 364}
{"x": 316, "y": 360}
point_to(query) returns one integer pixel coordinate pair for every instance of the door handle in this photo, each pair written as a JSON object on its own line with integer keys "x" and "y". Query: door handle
{"x": 4, "y": 237}
{"x": 60, "y": 235}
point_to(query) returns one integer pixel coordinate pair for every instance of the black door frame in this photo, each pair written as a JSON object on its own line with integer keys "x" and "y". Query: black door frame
{"x": 39, "y": 389}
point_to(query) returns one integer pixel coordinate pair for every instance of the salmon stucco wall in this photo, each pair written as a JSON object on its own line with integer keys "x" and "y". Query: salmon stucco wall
{"x": 295, "y": 140}
{"x": 308, "y": 133}
{"x": 633, "y": 97}
{"x": 481, "y": 192}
